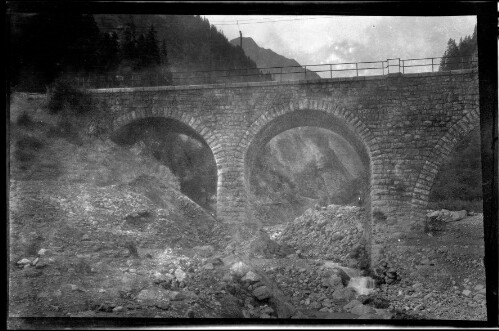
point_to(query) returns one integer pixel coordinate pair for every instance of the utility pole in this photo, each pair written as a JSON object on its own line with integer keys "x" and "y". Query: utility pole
{"x": 240, "y": 36}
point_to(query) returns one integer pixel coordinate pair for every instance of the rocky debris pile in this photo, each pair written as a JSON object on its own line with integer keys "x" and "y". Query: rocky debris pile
{"x": 332, "y": 233}
{"x": 313, "y": 288}
{"x": 262, "y": 245}
{"x": 385, "y": 274}
{"x": 296, "y": 292}
{"x": 421, "y": 300}
{"x": 259, "y": 245}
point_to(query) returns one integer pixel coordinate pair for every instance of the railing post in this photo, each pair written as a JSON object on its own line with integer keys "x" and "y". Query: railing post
{"x": 403, "y": 66}
{"x": 331, "y": 71}
{"x": 305, "y": 72}
{"x": 432, "y": 64}
{"x": 357, "y": 69}
{"x": 281, "y": 74}
{"x": 383, "y": 67}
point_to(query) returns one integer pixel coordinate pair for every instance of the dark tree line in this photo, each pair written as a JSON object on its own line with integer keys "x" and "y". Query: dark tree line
{"x": 144, "y": 50}
{"x": 45, "y": 46}
{"x": 460, "y": 55}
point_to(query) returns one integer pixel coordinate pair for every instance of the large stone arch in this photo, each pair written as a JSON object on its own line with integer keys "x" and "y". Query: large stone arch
{"x": 434, "y": 161}
{"x": 309, "y": 112}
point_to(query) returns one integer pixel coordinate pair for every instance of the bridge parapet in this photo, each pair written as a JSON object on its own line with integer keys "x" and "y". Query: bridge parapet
{"x": 272, "y": 83}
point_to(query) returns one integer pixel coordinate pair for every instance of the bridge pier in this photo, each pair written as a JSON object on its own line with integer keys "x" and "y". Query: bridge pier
{"x": 232, "y": 196}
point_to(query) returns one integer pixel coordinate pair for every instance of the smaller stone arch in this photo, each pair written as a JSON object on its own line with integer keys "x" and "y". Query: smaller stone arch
{"x": 191, "y": 126}
{"x": 199, "y": 130}
{"x": 438, "y": 156}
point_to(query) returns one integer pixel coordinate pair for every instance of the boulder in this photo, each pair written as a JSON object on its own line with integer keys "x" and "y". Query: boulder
{"x": 239, "y": 269}
{"x": 230, "y": 307}
{"x": 175, "y": 296}
{"x": 282, "y": 308}
{"x": 362, "y": 310}
{"x": 458, "y": 215}
{"x": 24, "y": 261}
{"x": 342, "y": 274}
{"x": 344, "y": 294}
{"x": 383, "y": 313}
{"x": 351, "y": 305}
{"x": 161, "y": 278}
{"x": 208, "y": 266}
{"x": 204, "y": 251}
{"x": 153, "y": 294}
{"x": 448, "y": 215}
{"x": 43, "y": 252}
{"x": 262, "y": 293}
{"x": 251, "y": 277}
{"x": 180, "y": 275}
{"x": 334, "y": 281}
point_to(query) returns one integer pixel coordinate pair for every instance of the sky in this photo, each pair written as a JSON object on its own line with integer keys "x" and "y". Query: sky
{"x": 336, "y": 39}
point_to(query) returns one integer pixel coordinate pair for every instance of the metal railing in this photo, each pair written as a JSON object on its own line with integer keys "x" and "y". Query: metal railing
{"x": 288, "y": 73}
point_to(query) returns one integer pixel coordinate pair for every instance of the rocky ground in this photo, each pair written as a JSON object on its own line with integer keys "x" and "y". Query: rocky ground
{"x": 440, "y": 275}
{"x": 104, "y": 240}
{"x": 99, "y": 252}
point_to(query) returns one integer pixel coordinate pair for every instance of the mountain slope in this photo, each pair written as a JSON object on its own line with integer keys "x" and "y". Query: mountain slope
{"x": 192, "y": 43}
{"x": 265, "y": 58}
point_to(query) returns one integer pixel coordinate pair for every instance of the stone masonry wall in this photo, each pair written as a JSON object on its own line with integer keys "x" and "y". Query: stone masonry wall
{"x": 405, "y": 125}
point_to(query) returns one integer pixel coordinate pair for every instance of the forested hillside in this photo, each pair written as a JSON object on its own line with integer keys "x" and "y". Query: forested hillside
{"x": 460, "y": 55}
{"x": 114, "y": 44}
{"x": 191, "y": 42}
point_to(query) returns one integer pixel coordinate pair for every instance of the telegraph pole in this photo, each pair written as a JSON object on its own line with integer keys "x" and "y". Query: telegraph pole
{"x": 240, "y": 36}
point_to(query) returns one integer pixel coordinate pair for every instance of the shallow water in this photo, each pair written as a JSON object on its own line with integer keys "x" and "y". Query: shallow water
{"x": 362, "y": 285}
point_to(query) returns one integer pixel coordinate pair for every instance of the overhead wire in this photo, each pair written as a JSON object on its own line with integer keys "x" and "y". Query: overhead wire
{"x": 259, "y": 21}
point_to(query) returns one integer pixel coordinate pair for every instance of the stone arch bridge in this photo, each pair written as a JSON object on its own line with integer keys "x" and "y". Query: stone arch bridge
{"x": 402, "y": 125}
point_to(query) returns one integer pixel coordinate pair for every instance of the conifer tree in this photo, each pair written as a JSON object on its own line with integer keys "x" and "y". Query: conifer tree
{"x": 460, "y": 56}
{"x": 164, "y": 53}
{"x": 152, "y": 48}
{"x": 129, "y": 47}
{"x": 450, "y": 58}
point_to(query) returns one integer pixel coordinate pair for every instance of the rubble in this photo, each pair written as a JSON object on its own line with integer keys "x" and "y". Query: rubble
{"x": 332, "y": 233}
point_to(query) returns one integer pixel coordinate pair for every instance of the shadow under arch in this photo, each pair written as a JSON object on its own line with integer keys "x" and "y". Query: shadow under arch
{"x": 439, "y": 155}
{"x": 193, "y": 156}
{"x": 280, "y": 121}
{"x": 124, "y": 135}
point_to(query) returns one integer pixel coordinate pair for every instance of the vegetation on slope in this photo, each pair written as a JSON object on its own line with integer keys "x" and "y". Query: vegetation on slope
{"x": 458, "y": 184}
